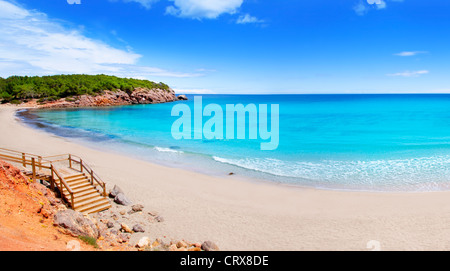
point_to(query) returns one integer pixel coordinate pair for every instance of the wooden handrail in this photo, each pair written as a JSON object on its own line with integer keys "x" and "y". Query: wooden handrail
{"x": 94, "y": 176}
{"x": 63, "y": 182}
{"x": 28, "y": 159}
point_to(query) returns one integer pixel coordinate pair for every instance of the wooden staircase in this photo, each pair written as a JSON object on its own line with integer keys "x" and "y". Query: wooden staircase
{"x": 81, "y": 187}
{"x": 87, "y": 199}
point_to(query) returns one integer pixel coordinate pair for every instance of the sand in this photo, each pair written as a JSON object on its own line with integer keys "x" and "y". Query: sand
{"x": 240, "y": 214}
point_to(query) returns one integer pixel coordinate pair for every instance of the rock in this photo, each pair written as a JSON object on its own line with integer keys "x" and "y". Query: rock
{"x": 117, "y": 97}
{"x": 153, "y": 213}
{"x": 76, "y": 223}
{"x": 122, "y": 199}
{"x": 110, "y": 225}
{"x": 197, "y": 245}
{"x": 195, "y": 249}
{"x": 155, "y": 244}
{"x": 173, "y": 247}
{"x": 137, "y": 208}
{"x": 209, "y": 246}
{"x": 124, "y": 227}
{"x": 102, "y": 229}
{"x": 181, "y": 244}
{"x": 159, "y": 219}
{"x": 143, "y": 242}
{"x": 115, "y": 191}
{"x": 54, "y": 201}
{"x": 123, "y": 238}
{"x": 138, "y": 228}
{"x": 182, "y": 97}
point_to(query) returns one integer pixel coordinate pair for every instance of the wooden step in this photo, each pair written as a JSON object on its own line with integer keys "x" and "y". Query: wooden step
{"x": 79, "y": 190}
{"x": 89, "y": 196}
{"x": 96, "y": 207}
{"x": 96, "y": 200}
{"x": 69, "y": 181}
{"x": 80, "y": 185}
{"x": 74, "y": 176}
{"x": 85, "y": 193}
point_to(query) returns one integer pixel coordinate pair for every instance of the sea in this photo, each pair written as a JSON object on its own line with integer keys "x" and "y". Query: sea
{"x": 367, "y": 142}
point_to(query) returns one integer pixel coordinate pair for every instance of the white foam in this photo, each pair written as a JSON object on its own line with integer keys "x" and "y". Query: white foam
{"x": 167, "y": 150}
{"x": 425, "y": 173}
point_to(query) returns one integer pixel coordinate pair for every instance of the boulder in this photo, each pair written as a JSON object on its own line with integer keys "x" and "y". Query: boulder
{"x": 182, "y": 97}
{"x": 76, "y": 223}
{"x": 123, "y": 237}
{"x": 136, "y": 208}
{"x": 124, "y": 227}
{"x": 182, "y": 243}
{"x": 209, "y": 246}
{"x": 143, "y": 242}
{"x": 122, "y": 199}
{"x": 138, "y": 228}
{"x": 115, "y": 191}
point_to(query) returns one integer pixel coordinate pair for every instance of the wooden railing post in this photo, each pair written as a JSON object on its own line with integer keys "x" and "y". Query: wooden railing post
{"x": 52, "y": 179}
{"x": 81, "y": 165}
{"x": 23, "y": 160}
{"x": 92, "y": 177}
{"x": 33, "y": 167}
{"x": 70, "y": 161}
{"x": 104, "y": 190}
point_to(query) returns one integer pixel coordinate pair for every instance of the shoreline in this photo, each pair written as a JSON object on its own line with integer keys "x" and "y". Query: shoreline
{"x": 27, "y": 116}
{"x": 241, "y": 214}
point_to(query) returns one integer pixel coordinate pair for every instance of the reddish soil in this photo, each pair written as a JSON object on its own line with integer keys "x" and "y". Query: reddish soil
{"x": 26, "y": 215}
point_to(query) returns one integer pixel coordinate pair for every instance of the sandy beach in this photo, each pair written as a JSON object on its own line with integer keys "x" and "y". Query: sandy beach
{"x": 239, "y": 214}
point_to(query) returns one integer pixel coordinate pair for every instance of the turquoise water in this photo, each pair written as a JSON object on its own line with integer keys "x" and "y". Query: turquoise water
{"x": 356, "y": 142}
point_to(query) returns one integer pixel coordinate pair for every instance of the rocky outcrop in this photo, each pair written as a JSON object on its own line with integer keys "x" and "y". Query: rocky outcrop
{"x": 76, "y": 223}
{"x": 182, "y": 97}
{"x": 114, "y": 98}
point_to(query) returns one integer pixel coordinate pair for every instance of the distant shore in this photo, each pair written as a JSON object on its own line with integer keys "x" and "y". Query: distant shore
{"x": 241, "y": 215}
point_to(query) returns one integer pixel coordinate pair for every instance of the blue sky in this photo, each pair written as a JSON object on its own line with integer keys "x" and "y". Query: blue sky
{"x": 235, "y": 46}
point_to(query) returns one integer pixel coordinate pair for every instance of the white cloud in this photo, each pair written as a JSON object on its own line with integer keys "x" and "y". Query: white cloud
{"x": 364, "y": 6}
{"x": 248, "y": 19}
{"x": 145, "y": 3}
{"x": 199, "y": 9}
{"x": 410, "y": 53}
{"x": 360, "y": 8}
{"x": 409, "y": 73}
{"x": 381, "y": 4}
{"x": 33, "y": 44}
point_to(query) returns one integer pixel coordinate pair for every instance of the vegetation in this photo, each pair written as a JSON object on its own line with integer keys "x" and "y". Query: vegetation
{"x": 47, "y": 88}
{"x": 89, "y": 240}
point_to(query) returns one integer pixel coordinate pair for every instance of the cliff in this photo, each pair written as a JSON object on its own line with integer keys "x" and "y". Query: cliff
{"x": 114, "y": 98}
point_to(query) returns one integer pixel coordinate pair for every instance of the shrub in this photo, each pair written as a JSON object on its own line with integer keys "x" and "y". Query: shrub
{"x": 89, "y": 240}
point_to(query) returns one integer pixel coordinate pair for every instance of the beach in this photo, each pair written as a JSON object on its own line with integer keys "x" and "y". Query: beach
{"x": 241, "y": 214}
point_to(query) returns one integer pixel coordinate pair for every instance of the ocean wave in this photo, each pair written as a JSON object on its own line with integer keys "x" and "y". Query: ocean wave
{"x": 160, "y": 149}
{"x": 425, "y": 173}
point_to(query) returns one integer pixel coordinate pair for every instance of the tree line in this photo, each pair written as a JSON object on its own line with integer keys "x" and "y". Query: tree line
{"x": 19, "y": 88}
